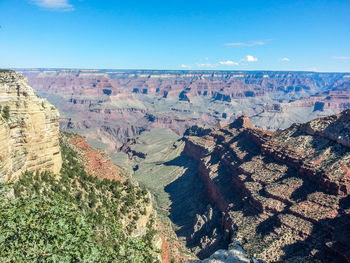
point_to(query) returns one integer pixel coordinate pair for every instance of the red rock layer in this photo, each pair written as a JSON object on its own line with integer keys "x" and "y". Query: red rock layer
{"x": 97, "y": 163}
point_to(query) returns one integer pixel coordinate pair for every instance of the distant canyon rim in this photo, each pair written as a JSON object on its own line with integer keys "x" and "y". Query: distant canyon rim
{"x": 112, "y": 106}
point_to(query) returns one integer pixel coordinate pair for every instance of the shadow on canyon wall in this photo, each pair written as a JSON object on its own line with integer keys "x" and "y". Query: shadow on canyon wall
{"x": 197, "y": 223}
{"x": 334, "y": 234}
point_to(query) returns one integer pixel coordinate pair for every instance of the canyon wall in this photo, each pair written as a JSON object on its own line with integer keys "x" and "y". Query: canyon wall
{"x": 284, "y": 195}
{"x": 186, "y": 85}
{"x": 111, "y": 106}
{"x": 29, "y": 129}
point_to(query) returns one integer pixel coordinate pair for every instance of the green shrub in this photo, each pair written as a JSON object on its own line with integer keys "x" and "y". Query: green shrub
{"x": 33, "y": 229}
{"x": 71, "y": 218}
{"x": 37, "y": 230}
{"x": 78, "y": 196}
{"x": 6, "y": 112}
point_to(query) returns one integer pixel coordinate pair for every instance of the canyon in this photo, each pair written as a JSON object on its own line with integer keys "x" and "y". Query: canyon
{"x": 276, "y": 180}
{"x": 54, "y": 186}
{"x": 110, "y": 106}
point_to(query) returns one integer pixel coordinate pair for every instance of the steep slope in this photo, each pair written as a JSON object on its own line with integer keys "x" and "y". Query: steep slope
{"x": 96, "y": 162}
{"x": 149, "y": 158}
{"x": 284, "y": 195}
{"x": 28, "y": 129}
{"x": 62, "y": 200}
{"x": 75, "y": 216}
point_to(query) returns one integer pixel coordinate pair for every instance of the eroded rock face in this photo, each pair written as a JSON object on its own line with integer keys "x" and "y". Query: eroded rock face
{"x": 111, "y": 106}
{"x": 29, "y": 129}
{"x": 285, "y": 195}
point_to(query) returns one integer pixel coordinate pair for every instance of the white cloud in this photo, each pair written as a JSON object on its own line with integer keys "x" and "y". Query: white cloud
{"x": 228, "y": 63}
{"x": 245, "y": 44}
{"x": 250, "y": 58}
{"x": 184, "y": 66}
{"x": 312, "y": 69}
{"x": 62, "y": 5}
{"x": 206, "y": 65}
{"x": 341, "y": 58}
{"x": 285, "y": 59}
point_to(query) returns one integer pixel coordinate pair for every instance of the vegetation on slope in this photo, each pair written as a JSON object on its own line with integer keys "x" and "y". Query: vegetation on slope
{"x": 5, "y": 112}
{"x": 163, "y": 161}
{"x": 73, "y": 217}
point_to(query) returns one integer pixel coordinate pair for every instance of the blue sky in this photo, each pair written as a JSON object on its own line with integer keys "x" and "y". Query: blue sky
{"x": 176, "y": 34}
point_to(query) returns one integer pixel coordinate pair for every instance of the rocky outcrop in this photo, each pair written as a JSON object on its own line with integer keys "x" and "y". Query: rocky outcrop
{"x": 335, "y": 128}
{"x": 234, "y": 254}
{"x": 29, "y": 129}
{"x": 284, "y": 195}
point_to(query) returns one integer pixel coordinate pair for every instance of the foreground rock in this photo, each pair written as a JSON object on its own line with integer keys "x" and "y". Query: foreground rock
{"x": 29, "y": 129}
{"x": 284, "y": 195}
{"x": 234, "y": 254}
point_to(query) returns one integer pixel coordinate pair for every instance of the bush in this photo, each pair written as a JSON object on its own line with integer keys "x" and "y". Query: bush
{"x": 72, "y": 217}
{"x": 78, "y": 196}
{"x": 32, "y": 228}
{"x": 6, "y": 112}
{"x": 35, "y": 229}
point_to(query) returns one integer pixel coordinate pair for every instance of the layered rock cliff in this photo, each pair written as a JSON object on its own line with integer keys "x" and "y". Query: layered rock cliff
{"x": 29, "y": 129}
{"x": 111, "y": 106}
{"x": 284, "y": 195}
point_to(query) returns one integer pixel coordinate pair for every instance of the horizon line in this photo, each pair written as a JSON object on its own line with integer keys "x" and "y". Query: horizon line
{"x": 179, "y": 70}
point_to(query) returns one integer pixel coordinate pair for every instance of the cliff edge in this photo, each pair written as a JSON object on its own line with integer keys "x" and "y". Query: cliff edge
{"x": 29, "y": 129}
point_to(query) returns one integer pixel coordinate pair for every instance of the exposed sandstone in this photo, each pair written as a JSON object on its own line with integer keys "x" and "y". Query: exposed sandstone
{"x": 29, "y": 134}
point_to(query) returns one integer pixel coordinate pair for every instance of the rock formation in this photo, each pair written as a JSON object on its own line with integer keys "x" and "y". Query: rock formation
{"x": 29, "y": 129}
{"x": 111, "y": 106}
{"x": 234, "y": 254}
{"x": 284, "y": 195}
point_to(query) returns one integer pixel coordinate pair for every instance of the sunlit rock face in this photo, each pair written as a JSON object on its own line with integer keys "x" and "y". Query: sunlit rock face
{"x": 283, "y": 194}
{"x": 29, "y": 129}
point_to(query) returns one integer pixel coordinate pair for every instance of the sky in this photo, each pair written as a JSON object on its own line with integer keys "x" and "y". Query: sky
{"x": 307, "y": 35}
